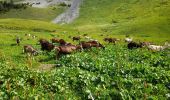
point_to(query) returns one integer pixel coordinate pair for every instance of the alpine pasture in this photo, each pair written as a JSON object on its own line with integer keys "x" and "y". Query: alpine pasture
{"x": 111, "y": 73}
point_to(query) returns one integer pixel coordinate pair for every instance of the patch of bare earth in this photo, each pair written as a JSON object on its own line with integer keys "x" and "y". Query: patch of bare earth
{"x": 46, "y": 67}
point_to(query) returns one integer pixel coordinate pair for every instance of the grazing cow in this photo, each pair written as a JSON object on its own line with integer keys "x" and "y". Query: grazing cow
{"x": 63, "y": 42}
{"x": 157, "y": 47}
{"x": 28, "y": 35}
{"x": 132, "y": 45}
{"x": 90, "y": 44}
{"x": 86, "y": 37}
{"x": 30, "y": 50}
{"x": 101, "y": 35}
{"x": 85, "y": 34}
{"x": 66, "y": 49}
{"x": 34, "y": 36}
{"x": 41, "y": 41}
{"x": 111, "y": 40}
{"x": 128, "y": 40}
{"x": 55, "y": 40}
{"x": 45, "y": 45}
{"x": 76, "y": 38}
{"x": 18, "y": 40}
{"x": 146, "y": 43}
{"x": 93, "y": 40}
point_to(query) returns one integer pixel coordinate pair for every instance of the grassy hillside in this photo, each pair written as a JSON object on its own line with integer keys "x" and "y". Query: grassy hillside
{"x": 113, "y": 73}
{"x": 25, "y": 24}
{"x": 140, "y": 18}
{"x": 43, "y": 14}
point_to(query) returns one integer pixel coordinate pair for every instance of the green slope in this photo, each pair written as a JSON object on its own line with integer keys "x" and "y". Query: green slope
{"x": 142, "y": 18}
{"x": 44, "y": 14}
{"x": 24, "y": 24}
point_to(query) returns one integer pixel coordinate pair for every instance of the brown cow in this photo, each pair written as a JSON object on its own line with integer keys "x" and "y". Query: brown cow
{"x": 76, "y": 38}
{"x": 55, "y": 40}
{"x": 63, "y": 42}
{"x": 30, "y": 50}
{"x": 46, "y": 45}
{"x": 111, "y": 40}
{"x": 66, "y": 49}
{"x": 18, "y": 40}
{"x": 90, "y": 44}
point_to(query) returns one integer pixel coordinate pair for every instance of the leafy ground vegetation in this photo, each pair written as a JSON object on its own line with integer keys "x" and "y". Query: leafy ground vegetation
{"x": 114, "y": 73}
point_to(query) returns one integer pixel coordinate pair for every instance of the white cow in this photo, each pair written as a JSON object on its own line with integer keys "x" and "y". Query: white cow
{"x": 128, "y": 40}
{"x": 158, "y": 47}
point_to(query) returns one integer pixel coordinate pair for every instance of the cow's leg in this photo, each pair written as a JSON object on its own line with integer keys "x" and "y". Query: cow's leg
{"x": 58, "y": 56}
{"x": 23, "y": 51}
{"x": 114, "y": 43}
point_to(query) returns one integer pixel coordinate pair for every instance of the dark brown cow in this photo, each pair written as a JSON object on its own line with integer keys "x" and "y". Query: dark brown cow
{"x": 18, "y": 40}
{"x": 76, "y": 38}
{"x": 30, "y": 50}
{"x": 90, "y": 44}
{"x": 133, "y": 45}
{"x": 63, "y": 42}
{"x": 46, "y": 45}
{"x": 43, "y": 41}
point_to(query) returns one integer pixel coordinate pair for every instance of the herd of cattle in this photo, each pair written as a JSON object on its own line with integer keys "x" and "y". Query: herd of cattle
{"x": 67, "y": 48}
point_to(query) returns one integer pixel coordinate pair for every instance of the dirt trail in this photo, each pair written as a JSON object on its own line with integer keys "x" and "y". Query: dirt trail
{"x": 69, "y": 15}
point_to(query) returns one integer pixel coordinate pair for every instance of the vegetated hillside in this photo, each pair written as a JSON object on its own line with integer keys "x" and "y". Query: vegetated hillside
{"x": 113, "y": 73}
{"x": 142, "y": 18}
{"x": 24, "y": 24}
{"x": 43, "y": 14}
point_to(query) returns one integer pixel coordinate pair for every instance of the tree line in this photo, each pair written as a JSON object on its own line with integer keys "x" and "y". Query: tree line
{"x": 8, "y": 5}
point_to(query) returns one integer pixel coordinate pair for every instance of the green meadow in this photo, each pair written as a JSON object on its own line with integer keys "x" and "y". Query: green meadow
{"x": 113, "y": 73}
